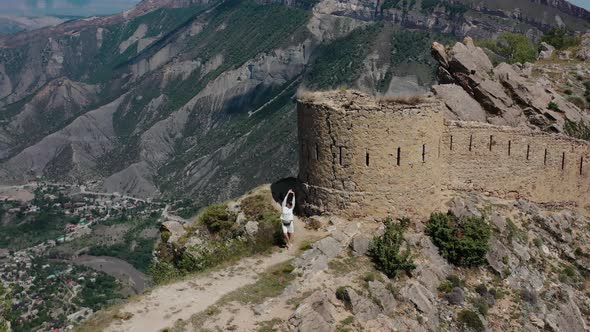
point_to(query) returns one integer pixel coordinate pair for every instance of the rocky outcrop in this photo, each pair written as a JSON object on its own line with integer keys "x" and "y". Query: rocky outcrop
{"x": 584, "y": 48}
{"x": 316, "y": 313}
{"x": 507, "y": 93}
{"x": 546, "y": 51}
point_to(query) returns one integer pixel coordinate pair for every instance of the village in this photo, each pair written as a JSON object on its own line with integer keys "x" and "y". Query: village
{"x": 56, "y": 294}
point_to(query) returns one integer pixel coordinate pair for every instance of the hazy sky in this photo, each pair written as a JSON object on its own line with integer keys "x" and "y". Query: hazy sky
{"x": 64, "y": 7}
{"x": 581, "y": 3}
{"x": 96, "y": 7}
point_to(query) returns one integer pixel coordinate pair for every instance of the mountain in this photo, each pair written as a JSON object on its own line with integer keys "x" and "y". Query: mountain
{"x": 65, "y": 7}
{"x": 11, "y": 24}
{"x": 177, "y": 97}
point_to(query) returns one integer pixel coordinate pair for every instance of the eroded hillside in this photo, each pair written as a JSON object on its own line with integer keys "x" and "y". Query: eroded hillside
{"x": 176, "y": 97}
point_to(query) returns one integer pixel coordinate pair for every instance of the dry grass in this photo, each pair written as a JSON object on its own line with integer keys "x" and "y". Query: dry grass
{"x": 405, "y": 100}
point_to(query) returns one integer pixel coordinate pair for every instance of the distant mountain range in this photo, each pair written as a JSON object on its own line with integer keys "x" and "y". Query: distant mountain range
{"x": 195, "y": 97}
{"x": 64, "y": 7}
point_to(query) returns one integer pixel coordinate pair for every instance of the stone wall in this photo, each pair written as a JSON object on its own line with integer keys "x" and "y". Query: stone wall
{"x": 507, "y": 161}
{"x": 359, "y": 156}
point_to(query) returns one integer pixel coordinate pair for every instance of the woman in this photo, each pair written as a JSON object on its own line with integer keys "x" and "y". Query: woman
{"x": 287, "y": 217}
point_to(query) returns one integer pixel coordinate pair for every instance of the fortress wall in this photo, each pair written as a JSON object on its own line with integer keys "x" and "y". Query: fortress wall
{"x": 506, "y": 170}
{"x": 349, "y": 157}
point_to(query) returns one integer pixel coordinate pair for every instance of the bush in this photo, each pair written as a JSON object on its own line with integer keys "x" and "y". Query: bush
{"x": 451, "y": 282}
{"x": 342, "y": 295}
{"x": 469, "y": 320}
{"x": 482, "y": 306}
{"x": 553, "y": 106}
{"x": 386, "y": 250}
{"x": 163, "y": 272}
{"x": 462, "y": 241}
{"x": 218, "y": 219}
{"x": 560, "y": 39}
{"x": 255, "y": 207}
{"x": 513, "y": 47}
{"x": 165, "y": 236}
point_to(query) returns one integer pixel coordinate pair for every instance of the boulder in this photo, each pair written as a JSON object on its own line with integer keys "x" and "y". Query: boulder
{"x": 584, "y": 49}
{"x": 566, "y": 316}
{"x": 383, "y": 296}
{"x": 315, "y": 313}
{"x": 363, "y": 308}
{"x": 546, "y": 51}
{"x": 251, "y": 227}
{"x": 455, "y": 296}
{"x": 423, "y": 300}
{"x": 463, "y": 208}
{"x": 434, "y": 268}
{"x": 175, "y": 228}
{"x": 460, "y": 104}
{"x": 360, "y": 244}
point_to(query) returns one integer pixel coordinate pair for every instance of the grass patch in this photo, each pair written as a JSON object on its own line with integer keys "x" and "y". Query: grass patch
{"x": 305, "y": 245}
{"x": 343, "y": 265}
{"x": 269, "y": 284}
{"x": 269, "y": 325}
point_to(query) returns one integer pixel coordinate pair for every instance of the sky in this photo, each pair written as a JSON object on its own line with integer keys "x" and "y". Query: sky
{"x": 581, "y": 3}
{"x": 64, "y": 7}
{"x": 96, "y": 7}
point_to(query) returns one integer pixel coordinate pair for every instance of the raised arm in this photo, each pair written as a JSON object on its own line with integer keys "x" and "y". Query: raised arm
{"x": 293, "y": 199}
{"x": 285, "y": 200}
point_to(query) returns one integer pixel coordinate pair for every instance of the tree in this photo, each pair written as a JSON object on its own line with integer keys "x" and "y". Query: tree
{"x": 560, "y": 39}
{"x": 5, "y": 307}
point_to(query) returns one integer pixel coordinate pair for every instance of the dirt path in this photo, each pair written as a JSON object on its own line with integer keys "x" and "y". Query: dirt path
{"x": 163, "y": 306}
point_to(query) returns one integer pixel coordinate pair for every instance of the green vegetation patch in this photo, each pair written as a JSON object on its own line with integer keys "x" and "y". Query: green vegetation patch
{"x": 387, "y": 252}
{"x": 578, "y": 130}
{"x": 560, "y": 39}
{"x": 469, "y": 321}
{"x": 462, "y": 241}
{"x": 512, "y": 47}
{"x": 27, "y": 230}
{"x": 340, "y": 62}
{"x": 133, "y": 248}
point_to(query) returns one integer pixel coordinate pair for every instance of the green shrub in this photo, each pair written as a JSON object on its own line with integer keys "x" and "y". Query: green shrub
{"x": 305, "y": 245}
{"x": 218, "y": 219}
{"x": 578, "y": 130}
{"x": 342, "y": 295}
{"x": 165, "y": 236}
{"x": 482, "y": 306}
{"x": 553, "y": 106}
{"x": 513, "y": 47}
{"x": 255, "y": 207}
{"x": 445, "y": 287}
{"x": 369, "y": 276}
{"x": 462, "y": 241}
{"x": 162, "y": 272}
{"x": 560, "y": 39}
{"x": 451, "y": 282}
{"x": 386, "y": 250}
{"x": 469, "y": 320}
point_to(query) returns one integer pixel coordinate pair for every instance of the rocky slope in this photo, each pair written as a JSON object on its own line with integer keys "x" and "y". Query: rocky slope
{"x": 195, "y": 96}
{"x": 516, "y": 95}
{"x": 535, "y": 278}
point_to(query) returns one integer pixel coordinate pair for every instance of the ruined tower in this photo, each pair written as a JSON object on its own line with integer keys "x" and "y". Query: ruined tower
{"x": 359, "y": 156}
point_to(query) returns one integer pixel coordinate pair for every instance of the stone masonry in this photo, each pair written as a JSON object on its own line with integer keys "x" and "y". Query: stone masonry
{"x": 360, "y": 156}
